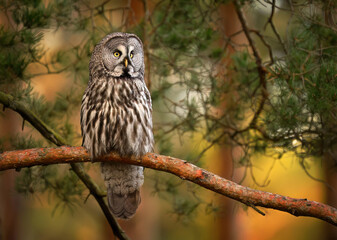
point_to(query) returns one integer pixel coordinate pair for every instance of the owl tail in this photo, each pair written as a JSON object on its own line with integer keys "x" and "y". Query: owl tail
{"x": 123, "y": 206}
{"x": 123, "y": 182}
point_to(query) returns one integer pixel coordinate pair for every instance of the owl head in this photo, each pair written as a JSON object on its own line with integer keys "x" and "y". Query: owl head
{"x": 120, "y": 55}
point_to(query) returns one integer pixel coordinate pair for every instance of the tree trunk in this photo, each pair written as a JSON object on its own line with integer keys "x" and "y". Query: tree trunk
{"x": 228, "y": 25}
{"x": 331, "y": 192}
{"x": 9, "y": 198}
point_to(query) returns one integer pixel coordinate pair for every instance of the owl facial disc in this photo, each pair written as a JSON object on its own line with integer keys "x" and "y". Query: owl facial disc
{"x": 120, "y": 58}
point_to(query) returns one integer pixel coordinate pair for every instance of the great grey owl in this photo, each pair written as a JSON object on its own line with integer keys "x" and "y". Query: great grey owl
{"x": 116, "y": 116}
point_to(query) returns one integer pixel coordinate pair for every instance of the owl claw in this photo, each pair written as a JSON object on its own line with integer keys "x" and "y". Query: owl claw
{"x": 92, "y": 160}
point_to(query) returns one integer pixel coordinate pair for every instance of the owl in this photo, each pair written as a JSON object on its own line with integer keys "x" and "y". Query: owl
{"x": 116, "y": 116}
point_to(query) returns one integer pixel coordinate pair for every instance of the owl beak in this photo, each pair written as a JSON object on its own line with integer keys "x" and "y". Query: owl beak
{"x": 126, "y": 62}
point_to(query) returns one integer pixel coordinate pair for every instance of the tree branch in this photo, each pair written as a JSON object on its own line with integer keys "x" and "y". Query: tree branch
{"x": 258, "y": 60}
{"x": 9, "y": 102}
{"x": 180, "y": 168}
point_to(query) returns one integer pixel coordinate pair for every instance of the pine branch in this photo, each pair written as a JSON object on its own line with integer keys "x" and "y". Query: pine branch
{"x": 180, "y": 168}
{"x": 9, "y": 102}
{"x": 258, "y": 60}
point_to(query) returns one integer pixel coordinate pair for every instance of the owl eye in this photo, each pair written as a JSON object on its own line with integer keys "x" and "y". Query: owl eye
{"x": 117, "y": 54}
{"x": 131, "y": 54}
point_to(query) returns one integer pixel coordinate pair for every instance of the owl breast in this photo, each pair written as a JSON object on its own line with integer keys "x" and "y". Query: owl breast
{"x": 116, "y": 116}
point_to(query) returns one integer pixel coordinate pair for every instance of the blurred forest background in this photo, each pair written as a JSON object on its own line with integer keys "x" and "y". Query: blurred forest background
{"x": 244, "y": 89}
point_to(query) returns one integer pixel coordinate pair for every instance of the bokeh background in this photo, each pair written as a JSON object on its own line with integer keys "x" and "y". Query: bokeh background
{"x": 171, "y": 208}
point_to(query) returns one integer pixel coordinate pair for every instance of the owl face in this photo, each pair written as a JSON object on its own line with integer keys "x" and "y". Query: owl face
{"x": 122, "y": 56}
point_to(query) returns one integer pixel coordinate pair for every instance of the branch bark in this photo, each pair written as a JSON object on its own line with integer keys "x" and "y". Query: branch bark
{"x": 9, "y": 101}
{"x": 180, "y": 168}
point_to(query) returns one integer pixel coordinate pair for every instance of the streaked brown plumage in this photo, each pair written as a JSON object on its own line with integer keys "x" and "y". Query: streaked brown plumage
{"x": 116, "y": 116}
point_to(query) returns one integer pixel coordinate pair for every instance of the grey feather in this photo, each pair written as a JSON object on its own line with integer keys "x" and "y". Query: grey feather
{"x": 116, "y": 116}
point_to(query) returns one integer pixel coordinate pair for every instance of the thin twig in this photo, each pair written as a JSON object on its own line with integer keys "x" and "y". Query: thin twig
{"x": 270, "y": 21}
{"x": 266, "y": 44}
{"x": 260, "y": 69}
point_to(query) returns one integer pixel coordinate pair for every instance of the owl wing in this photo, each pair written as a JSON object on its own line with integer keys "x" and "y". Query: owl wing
{"x": 148, "y": 98}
